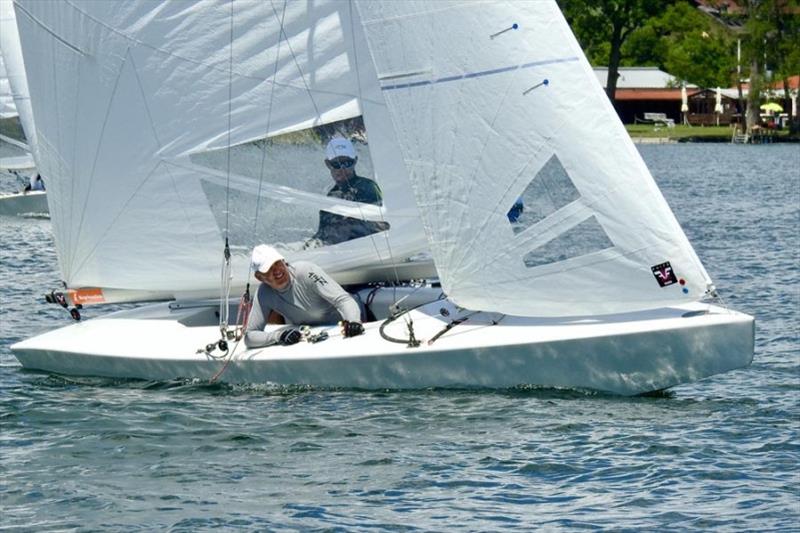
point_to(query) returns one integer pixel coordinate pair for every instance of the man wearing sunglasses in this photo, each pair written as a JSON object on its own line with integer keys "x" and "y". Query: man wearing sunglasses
{"x": 341, "y": 159}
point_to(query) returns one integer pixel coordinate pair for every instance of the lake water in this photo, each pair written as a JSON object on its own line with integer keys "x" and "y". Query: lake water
{"x": 722, "y": 454}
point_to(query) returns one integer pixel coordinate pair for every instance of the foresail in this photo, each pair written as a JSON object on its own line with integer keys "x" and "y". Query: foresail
{"x": 533, "y": 197}
{"x": 138, "y": 102}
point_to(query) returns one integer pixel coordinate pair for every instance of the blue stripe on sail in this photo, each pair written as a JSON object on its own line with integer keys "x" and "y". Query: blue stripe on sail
{"x": 478, "y": 74}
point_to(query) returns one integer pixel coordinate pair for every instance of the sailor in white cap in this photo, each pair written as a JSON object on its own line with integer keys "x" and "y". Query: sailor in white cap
{"x": 341, "y": 159}
{"x": 297, "y": 294}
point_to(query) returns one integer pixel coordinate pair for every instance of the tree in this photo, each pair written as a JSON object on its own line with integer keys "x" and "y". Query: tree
{"x": 786, "y": 50}
{"x": 686, "y": 43}
{"x": 770, "y": 39}
{"x": 602, "y": 25}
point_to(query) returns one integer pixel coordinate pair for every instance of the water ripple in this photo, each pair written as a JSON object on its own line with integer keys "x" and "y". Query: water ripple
{"x": 90, "y": 454}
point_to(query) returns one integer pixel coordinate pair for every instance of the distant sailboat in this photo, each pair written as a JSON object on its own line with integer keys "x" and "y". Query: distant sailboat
{"x": 15, "y": 102}
{"x": 149, "y": 113}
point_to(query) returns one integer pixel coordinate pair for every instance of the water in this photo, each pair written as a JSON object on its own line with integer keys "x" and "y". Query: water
{"x": 723, "y": 454}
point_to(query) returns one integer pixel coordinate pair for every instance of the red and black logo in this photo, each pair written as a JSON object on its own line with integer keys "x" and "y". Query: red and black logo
{"x": 664, "y": 274}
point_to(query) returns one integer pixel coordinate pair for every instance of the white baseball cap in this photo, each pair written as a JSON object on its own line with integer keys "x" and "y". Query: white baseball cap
{"x": 338, "y": 147}
{"x": 264, "y": 257}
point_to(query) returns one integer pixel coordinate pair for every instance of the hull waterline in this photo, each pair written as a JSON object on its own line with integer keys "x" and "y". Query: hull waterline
{"x": 621, "y": 354}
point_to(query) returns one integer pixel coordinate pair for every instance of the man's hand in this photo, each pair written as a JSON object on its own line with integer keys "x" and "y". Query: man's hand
{"x": 290, "y": 336}
{"x": 351, "y": 329}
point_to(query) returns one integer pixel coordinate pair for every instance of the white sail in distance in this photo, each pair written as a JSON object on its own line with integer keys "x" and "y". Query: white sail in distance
{"x": 132, "y": 96}
{"x": 7, "y": 107}
{"x": 15, "y": 72}
{"x": 494, "y": 102}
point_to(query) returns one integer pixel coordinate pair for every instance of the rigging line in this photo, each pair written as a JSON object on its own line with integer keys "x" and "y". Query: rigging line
{"x": 297, "y": 64}
{"x": 266, "y": 134}
{"x": 230, "y": 110}
{"x": 100, "y": 140}
{"x": 372, "y": 238}
{"x": 225, "y": 271}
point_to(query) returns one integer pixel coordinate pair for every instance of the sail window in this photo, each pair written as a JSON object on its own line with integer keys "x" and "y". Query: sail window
{"x": 291, "y": 189}
{"x": 585, "y": 238}
{"x": 550, "y": 190}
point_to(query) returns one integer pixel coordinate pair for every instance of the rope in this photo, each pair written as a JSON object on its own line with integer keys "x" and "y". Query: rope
{"x": 226, "y": 275}
{"x": 230, "y": 111}
{"x": 242, "y": 317}
{"x": 411, "y": 341}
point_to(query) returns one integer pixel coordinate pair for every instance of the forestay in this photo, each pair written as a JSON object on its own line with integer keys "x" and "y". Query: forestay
{"x": 137, "y": 103}
{"x": 493, "y": 101}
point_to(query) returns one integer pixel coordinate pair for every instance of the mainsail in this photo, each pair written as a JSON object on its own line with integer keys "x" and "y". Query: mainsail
{"x": 147, "y": 110}
{"x": 492, "y": 102}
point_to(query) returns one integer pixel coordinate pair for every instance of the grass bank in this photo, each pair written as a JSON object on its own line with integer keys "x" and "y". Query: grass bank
{"x": 682, "y": 133}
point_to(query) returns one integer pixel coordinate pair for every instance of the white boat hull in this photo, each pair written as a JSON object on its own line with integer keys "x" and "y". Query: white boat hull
{"x": 30, "y": 203}
{"x": 622, "y": 354}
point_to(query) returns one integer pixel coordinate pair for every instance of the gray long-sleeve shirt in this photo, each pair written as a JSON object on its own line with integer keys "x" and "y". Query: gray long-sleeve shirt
{"x": 311, "y": 298}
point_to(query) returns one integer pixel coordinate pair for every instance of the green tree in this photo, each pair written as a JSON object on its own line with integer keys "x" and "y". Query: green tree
{"x": 686, "y": 43}
{"x": 603, "y": 26}
{"x": 786, "y": 48}
{"x": 770, "y": 41}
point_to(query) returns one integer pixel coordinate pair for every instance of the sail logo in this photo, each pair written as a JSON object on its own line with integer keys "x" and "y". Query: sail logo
{"x": 664, "y": 274}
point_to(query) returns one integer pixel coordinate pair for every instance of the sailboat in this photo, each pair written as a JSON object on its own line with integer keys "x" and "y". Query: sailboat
{"x": 15, "y": 103}
{"x": 177, "y": 136}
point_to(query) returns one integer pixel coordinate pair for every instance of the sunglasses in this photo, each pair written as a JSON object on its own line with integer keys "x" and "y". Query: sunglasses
{"x": 347, "y": 163}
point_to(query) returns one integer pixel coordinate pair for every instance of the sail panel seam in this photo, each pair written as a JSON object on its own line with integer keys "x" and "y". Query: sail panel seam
{"x": 100, "y": 141}
{"x": 478, "y": 74}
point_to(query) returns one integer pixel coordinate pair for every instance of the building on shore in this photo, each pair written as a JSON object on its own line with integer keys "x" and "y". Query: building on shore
{"x": 645, "y": 91}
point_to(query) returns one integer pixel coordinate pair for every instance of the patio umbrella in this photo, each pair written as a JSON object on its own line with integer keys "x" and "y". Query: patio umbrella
{"x": 772, "y": 106}
{"x": 718, "y": 104}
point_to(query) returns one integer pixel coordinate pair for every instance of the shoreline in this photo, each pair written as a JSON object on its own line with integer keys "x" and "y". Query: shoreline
{"x": 681, "y": 133}
{"x": 707, "y": 139}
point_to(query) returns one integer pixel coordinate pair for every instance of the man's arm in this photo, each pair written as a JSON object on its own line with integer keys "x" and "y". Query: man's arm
{"x": 254, "y": 336}
{"x": 332, "y": 292}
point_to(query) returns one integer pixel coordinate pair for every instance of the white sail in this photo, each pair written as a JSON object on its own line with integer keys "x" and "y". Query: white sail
{"x": 495, "y": 101}
{"x": 15, "y": 71}
{"x": 7, "y": 107}
{"x": 137, "y": 103}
